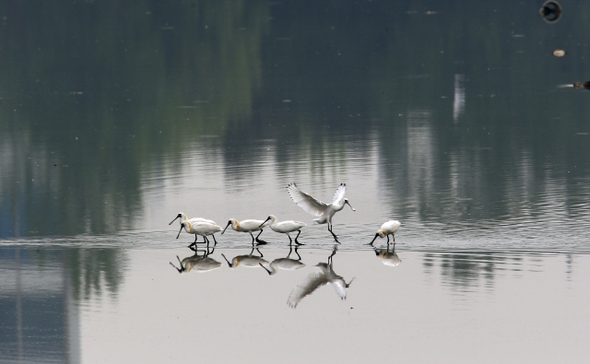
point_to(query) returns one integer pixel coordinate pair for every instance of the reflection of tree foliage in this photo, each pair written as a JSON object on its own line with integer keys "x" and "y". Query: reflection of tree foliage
{"x": 517, "y": 136}
{"x": 91, "y": 272}
{"x": 101, "y": 89}
{"x": 94, "y": 271}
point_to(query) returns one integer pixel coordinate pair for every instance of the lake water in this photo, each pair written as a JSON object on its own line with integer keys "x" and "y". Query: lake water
{"x": 455, "y": 119}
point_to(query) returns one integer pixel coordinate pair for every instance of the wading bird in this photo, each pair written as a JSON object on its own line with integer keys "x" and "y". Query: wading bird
{"x": 324, "y": 211}
{"x": 247, "y": 226}
{"x": 284, "y": 263}
{"x": 388, "y": 228}
{"x": 323, "y": 275}
{"x": 183, "y": 217}
{"x": 285, "y": 227}
{"x": 199, "y": 228}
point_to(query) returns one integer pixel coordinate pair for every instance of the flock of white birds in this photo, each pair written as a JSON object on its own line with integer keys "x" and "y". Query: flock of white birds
{"x": 323, "y": 211}
{"x": 324, "y": 274}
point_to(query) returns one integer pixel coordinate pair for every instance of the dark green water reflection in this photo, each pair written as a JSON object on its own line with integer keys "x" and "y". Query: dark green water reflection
{"x": 462, "y": 102}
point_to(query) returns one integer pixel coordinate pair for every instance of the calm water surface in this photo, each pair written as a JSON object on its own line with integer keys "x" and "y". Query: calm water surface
{"x": 455, "y": 119}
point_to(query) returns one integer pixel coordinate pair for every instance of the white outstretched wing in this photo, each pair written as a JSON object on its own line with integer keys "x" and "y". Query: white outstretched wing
{"x": 305, "y": 201}
{"x": 306, "y": 287}
{"x": 339, "y": 194}
{"x": 340, "y": 288}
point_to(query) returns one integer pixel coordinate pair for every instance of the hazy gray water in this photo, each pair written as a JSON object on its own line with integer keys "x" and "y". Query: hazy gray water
{"x": 455, "y": 119}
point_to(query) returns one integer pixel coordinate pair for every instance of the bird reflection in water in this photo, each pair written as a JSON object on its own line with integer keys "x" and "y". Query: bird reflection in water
{"x": 199, "y": 263}
{"x": 388, "y": 258}
{"x": 286, "y": 263}
{"x": 248, "y": 261}
{"x": 324, "y": 274}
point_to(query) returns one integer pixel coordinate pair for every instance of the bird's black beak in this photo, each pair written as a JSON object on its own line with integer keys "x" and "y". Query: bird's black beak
{"x": 226, "y": 226}
{"x": 179, "y": 231}
{"x": 268, "y": 218}
{"x": 269, "y": 273}
{"x": 376, "y": 235}
{"x": 174, "y": 219}
{"x": 228, "y": 263}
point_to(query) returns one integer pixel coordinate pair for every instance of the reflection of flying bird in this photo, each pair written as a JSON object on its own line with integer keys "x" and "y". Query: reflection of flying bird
{"x": 322, "y": 210}
{"x": 285, "y": 227}
{"x": 199, "y": 228}
{"x": 248, "y": 261}
{"x": 323, "y": 274}
{"x": 247, "y": 226}
{"x": 284, "y": 263}
{"x": 388, "y": 228}
{"x": 197, "y": 263}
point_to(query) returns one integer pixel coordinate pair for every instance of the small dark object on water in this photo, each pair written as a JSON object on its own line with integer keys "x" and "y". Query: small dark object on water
{"x": 551, "y": 11}
{"x": 585, "y": 85}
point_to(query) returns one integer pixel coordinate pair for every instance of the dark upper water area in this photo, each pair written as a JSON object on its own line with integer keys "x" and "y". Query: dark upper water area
{"x": 449, "y": 117}
{"x": 459, "y": 110}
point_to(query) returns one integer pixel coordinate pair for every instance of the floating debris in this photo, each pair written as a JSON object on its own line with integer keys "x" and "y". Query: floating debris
{"x": 559, "y": 53}
{"x": 550, "y": 11}
{"x": 585, "y": 85}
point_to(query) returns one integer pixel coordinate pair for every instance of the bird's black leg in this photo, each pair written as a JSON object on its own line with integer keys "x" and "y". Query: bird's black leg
{"x": 260, "y": 241}
{"x": 331, "y": 232}
{"x": 297, "y": 242}
{"x": 214, "y": 240}
{"x": 193, "y": 245}
{"x": 331, "y": 255}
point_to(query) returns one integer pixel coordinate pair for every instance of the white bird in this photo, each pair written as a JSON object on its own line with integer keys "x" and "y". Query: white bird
{"x": 323, "y": 275}
{"x": 285, "y": 227}
{"x": 193, "y": 220}
{"x": 199, "y": 228}
{"x": 183, "y": 217}
{"x": 284, "y": 263}
{"x": 388, "y": 228}
{"x": 198, "y": 263}
{"x": 248, "y": 261}
{"x": 248, "y": 226}
{"x": 324, "y": 211}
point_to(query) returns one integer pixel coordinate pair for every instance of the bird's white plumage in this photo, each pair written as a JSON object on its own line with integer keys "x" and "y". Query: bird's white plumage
{"x": 306, "y": 201}
{"x": 339, "y": 194}
{"x": 389, "y": 228}
{"x": 201, "y": 228}
{"x": 287, "y": 226}
{"x": 246, "y": 226}
{"x": 323, "y": 211}
{"x": 182, "y": 217}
